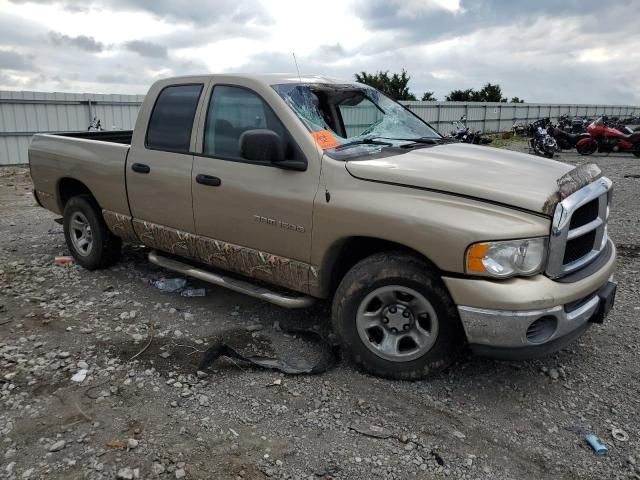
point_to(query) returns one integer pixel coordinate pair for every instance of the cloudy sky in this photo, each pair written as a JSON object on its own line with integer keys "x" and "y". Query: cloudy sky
{"x": 582, "y": 51}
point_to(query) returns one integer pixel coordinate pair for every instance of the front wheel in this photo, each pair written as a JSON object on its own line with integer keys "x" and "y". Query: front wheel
{"x": 587, "y": 148}
{"x": 636, "y": 149}
{"x": 395, "y": 317}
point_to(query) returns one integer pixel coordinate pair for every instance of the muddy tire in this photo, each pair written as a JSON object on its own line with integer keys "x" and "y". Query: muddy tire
{"x": 395, "y": 318}
{"x": 89, "y": 240}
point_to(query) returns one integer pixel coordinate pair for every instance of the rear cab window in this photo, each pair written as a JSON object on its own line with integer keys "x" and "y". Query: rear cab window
{"x": 172, "y": 118}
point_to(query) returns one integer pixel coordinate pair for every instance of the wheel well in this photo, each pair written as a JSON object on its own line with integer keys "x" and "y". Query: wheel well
{"x": 69, "y": 188}
{"x": 358, "y": 248}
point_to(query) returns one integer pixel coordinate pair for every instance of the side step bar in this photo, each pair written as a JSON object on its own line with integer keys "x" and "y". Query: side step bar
{"x": 231, "y": 283}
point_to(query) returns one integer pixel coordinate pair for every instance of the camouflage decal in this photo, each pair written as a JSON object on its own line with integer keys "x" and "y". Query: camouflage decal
{"x": 282, "y": 271}
{"x": 314, "y": 281}
{"x": 571, "y": 182}
{"x": 120, "y": 225}
{"x": 577, "y": 178}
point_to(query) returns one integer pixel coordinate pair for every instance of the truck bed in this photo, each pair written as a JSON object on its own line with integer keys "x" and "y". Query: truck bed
{"x": 96, "y": 160}
{"x": 115, "y": 136}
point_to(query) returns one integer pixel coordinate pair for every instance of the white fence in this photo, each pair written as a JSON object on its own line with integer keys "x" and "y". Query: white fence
{"x": 24, "y": 113}
{"x": 500, "y": 117}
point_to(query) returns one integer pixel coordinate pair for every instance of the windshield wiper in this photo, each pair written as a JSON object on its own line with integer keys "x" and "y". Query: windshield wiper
{"x": 364, "y": 141}
{"x": 421, "y": 140}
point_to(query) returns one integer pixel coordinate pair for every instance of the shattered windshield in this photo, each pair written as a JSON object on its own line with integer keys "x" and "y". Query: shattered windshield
{"x": 354, "y": 117}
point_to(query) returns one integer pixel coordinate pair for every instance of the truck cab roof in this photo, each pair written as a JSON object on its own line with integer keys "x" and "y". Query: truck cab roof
{"x": 265, "y": 78}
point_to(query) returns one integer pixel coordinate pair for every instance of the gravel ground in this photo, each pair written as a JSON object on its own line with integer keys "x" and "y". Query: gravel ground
{"x": 156, "y": 416}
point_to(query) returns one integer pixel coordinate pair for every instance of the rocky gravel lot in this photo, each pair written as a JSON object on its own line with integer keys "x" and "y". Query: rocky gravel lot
{"x": 144, "y": 410}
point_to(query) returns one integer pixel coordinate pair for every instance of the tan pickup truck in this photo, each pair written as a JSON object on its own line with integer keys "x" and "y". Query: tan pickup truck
{"x": 292, "y": 189}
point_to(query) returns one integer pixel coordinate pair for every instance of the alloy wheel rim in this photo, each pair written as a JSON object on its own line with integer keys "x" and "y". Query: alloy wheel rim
{"x": 81, "y": 234}
{"x": 397, "y": 323}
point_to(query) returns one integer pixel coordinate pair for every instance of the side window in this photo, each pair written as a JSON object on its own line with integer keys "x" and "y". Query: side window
{"x": 359, "y": 118}
{"x": 232, "y": 111}
{"x": 172, "y": 118}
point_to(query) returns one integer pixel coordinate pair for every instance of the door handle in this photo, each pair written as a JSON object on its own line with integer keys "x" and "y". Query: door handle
{"x": 208, "y": 180}
{"x": 140, "y": 168}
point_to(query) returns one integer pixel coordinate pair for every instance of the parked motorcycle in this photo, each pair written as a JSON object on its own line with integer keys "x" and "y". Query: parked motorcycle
{"x": 532, "y": 128}
{"x": 572, "y": 124}
{"x": 464, "y": 134}
{"x": 566, "y": 140}
{"x": 543, "y": 144}
{"x": 519, "y": 129}
{"x": 95, "y": 125}
{"x": 605, "y": 139}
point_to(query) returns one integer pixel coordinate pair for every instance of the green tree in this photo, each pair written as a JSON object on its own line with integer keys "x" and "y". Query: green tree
{"x": 488, "y": 93}
{"x": 468, "y": 95}
{"x": 516, "y": 100}
{"x": 428, "y": 97}
{"x": 491, "y": 93}
{"x": 395, "y": 85}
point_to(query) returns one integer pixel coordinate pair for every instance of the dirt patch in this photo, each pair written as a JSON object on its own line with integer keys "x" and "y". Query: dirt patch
{"x": 484, "y": 419}
{"x": 628, "y": 250}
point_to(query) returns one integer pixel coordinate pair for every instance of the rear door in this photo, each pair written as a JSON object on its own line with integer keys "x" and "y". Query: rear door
{"x": 160, "y": 161}
{"x": 252, "y": 205}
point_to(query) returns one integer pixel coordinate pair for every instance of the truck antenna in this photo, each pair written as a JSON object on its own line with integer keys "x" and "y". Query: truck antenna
{"x": 296, "y": 62}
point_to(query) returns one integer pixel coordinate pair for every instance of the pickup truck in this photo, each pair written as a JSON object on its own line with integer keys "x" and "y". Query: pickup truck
{"x": 293, "y": 189}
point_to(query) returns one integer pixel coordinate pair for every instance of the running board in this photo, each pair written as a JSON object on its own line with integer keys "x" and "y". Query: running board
{"x": 231, "y": 283}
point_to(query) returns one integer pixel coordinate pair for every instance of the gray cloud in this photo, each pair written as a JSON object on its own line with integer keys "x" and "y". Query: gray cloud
{"x": 435, "y": 23}
{"x": 147, "y": 49}
{"x": 88, "y": 44}
{"x": 202, "y": 12}
{"x": 11, "y": 60}
{"x": 544, "y": 51}
{"x": 332, "y": 51}
{"x": 7, "y": 80}
{"x": 198, "y": 12}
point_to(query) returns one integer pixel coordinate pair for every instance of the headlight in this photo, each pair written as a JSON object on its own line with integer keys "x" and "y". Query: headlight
{"x": 506, "y": 258}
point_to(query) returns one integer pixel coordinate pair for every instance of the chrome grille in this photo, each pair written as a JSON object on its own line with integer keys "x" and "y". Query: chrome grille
{"x": 579, "y": 229}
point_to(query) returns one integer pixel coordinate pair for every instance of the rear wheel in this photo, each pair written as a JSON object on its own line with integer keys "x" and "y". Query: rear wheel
{"x": 395, "y": 317}
{"x": 89, "y": 240}
{"x": 636, "y": 149}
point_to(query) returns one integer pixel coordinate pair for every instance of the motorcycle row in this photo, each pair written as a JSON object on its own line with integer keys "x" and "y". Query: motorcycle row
{"x": 604, "y": 135}
{"x": 462, "y": 133}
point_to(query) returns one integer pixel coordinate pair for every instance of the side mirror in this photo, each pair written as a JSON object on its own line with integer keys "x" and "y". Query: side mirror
{"x": 261, "y": 145}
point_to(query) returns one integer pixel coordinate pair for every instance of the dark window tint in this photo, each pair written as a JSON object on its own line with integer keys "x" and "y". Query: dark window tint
{"x": 232, "y": 111}
{"x": 172, "y": 118}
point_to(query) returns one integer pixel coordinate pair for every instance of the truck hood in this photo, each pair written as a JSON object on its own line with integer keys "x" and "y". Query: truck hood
{"x": 492, "y": 174}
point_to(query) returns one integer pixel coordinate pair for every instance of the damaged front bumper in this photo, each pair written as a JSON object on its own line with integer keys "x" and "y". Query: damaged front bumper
{"x": 532, "y": 333}
{"x": 529, "y": 317}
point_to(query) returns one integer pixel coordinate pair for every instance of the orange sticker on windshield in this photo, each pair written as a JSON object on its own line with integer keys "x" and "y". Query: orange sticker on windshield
{"x": 325, "y": 139}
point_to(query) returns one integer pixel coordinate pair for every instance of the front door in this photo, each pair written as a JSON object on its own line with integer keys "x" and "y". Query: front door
{"x": 258, "y": 215}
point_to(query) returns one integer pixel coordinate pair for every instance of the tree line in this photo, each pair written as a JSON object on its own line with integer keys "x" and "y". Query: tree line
{"x": 396, "y": 86}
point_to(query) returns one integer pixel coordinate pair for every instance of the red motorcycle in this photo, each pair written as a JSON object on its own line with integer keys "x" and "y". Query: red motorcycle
{"x": 605, "y": 139}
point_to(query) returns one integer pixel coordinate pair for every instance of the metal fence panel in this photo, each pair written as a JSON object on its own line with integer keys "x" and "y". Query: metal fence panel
{"x": 24, "y": 113}
{"x": 499, "y": 117}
